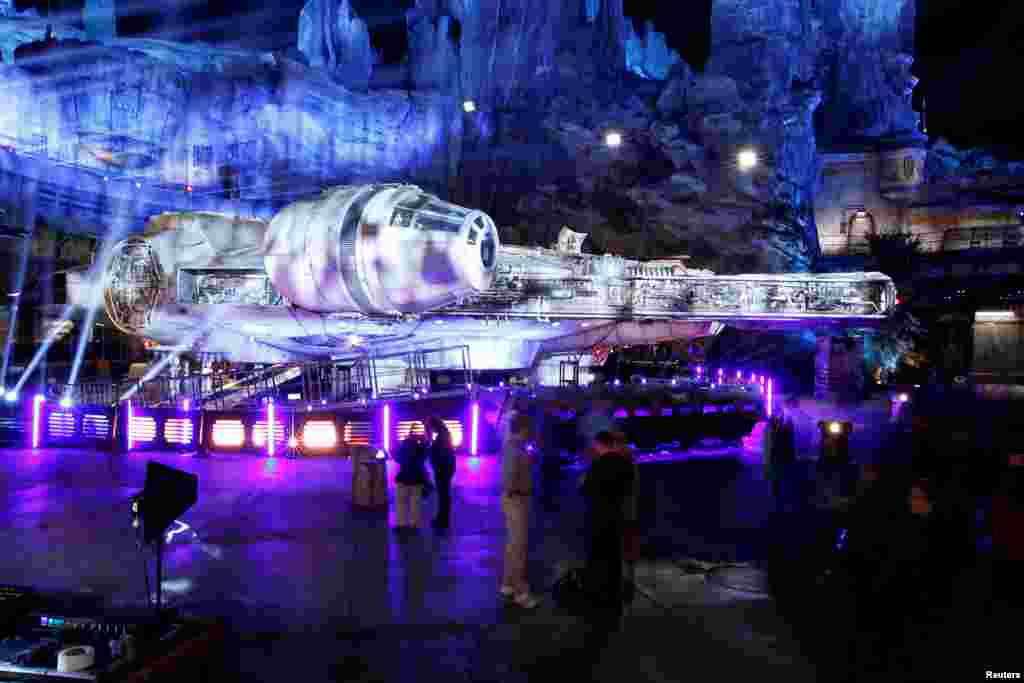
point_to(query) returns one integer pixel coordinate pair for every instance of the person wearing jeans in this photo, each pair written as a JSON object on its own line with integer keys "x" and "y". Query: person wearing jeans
{"x": 410, "y": 480}
{"x": 515, "y": 503}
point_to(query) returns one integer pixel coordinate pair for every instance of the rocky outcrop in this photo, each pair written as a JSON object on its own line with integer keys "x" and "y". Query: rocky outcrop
{"x": 673, "y": 185}
{"x": 433, "y": 50}
{"x": 100, "y": 19}
{"x": 946, "y": 163}
{"x": 332, "y": 37}
{"x": 506, "y": 48}
{"x": 647, "y": 53}
{"x": 865, "y": 67}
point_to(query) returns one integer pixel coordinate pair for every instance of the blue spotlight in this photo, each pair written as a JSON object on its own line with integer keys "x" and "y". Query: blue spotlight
{"x": 11, "y": 396}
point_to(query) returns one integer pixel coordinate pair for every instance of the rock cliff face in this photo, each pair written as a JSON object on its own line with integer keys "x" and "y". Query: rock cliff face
{"x": 865, "y": 67}
{"x": 674, "y": 185}
{"x": 548, "y": 80}
{"x": 332, "y": 37}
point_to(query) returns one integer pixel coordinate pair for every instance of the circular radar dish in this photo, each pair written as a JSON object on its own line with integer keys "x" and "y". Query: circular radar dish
{"x": 134, "y": 282}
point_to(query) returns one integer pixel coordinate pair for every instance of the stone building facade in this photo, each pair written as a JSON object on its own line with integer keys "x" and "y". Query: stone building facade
{"x": 888, "y": 190}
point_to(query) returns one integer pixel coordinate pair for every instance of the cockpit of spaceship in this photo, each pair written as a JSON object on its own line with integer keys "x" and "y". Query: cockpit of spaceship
{"x": 428, "y": 213}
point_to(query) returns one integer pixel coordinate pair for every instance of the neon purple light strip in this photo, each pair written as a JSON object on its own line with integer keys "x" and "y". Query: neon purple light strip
{"x": 271, "y": 435}
{"x": 475, "y": 431}
{"x": 769, "y": 406}
{"x": 131, "y": 419}
{"x": 386, "y": 426}
{"x": 37, "y": 415}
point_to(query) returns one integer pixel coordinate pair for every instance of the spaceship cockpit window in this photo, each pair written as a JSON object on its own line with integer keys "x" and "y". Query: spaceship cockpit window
{"x": 429, "y": 213}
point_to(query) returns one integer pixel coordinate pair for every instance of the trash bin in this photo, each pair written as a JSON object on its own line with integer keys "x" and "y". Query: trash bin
{"x": 369, "y": 477}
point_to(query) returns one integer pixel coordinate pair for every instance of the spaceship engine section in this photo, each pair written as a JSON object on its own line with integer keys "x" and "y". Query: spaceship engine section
{"x": 136, "y": 285}
{"x": 378, "y": 250}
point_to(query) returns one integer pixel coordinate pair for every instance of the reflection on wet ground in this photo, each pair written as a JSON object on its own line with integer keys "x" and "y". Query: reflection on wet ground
{"x": 275, "y": 546}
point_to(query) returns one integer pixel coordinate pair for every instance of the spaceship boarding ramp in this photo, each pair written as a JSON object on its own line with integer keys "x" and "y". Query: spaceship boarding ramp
{"x": 231, "y": 390}
{"x": 406, "y": 375}
{"x": 218, "y": 390}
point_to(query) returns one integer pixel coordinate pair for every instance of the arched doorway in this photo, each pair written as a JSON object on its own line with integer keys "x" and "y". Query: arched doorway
{"x": 859, "y": 223}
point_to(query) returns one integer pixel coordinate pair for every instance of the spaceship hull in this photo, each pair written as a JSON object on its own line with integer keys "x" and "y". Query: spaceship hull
{"x": 391, "y": 268}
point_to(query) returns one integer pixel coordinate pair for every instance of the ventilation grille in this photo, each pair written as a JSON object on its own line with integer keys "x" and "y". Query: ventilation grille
{"x": 143, "y": 430}
{"x": 179, "y": 431}
{"x": 95, "y": 427}
{"x": 11, "y": 426}
{"x": 319, "y": 434}
{"x": 228, "y": 433}
{"x": 455, "y": 427}
{"x": 406, "y": 427}
{"x": 259, "y": 433}
{"x": 62, "y": 425}
{"x": 358, "y": 433}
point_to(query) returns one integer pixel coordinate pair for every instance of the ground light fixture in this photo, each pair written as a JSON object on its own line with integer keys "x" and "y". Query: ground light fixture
{"x": 835, "y": 440}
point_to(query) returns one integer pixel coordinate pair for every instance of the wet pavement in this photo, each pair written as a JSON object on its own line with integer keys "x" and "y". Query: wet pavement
{"x": 315, "y": 588}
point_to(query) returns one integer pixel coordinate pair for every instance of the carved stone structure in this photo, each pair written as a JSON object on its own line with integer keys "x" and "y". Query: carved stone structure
{"x": 892, "y": 189}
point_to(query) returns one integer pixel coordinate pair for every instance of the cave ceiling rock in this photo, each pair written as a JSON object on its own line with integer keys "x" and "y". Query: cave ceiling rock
{"x": 333, "y": 37}
{"x": 434, "y": 61}
{"x": 506, "y": 48}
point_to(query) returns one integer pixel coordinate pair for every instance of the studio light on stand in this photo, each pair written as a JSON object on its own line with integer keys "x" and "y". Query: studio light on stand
{"x": 167, "y": 494}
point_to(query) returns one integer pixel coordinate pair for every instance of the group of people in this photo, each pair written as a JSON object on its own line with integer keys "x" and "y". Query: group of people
{"x": 433, "y": 444}
{"x": 894, "y": 547}
{"x": 609, "y": 488}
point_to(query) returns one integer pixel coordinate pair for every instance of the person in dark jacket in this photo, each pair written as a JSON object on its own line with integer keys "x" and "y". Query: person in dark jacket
{"x": 442, "y": 462}
{"x": 607, "y": 487}
{"x": 904, "y": 560}
{"x": 410, "y": 480}
{"x": 782, "y": 460}
{"x": 1007, "y": 520}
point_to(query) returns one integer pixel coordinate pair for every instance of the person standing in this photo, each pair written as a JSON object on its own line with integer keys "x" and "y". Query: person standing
{"x": 442, "y": 462}
{"x": 517, "y": 487}
{"x": 631, "y": 521}
{"x": 607, "y": 489}
{"x": 410, "y": 481}
{"x": 783, "y": 460}
{"x": 597, "y": 419}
